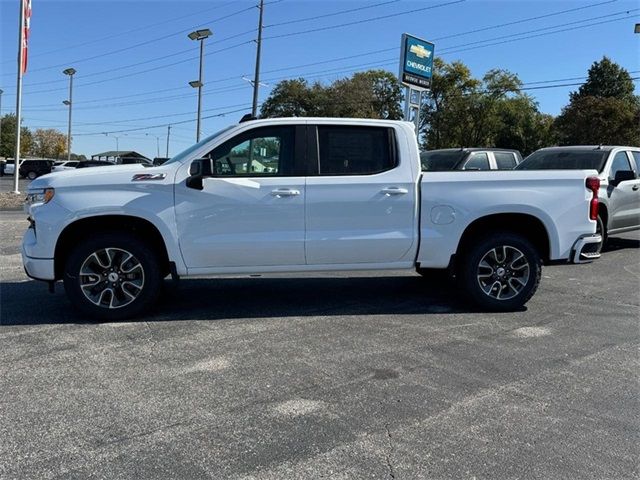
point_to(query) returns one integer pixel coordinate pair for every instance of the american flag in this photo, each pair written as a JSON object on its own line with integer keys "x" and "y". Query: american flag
{"x": 26, "y": 27}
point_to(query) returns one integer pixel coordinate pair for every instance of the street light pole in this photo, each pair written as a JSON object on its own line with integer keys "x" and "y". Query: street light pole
{"x": 168, "y": 134}
{"x": 256, "y": 78}
{"x": 70, "y": 72}
{"x": 199, "y": 35}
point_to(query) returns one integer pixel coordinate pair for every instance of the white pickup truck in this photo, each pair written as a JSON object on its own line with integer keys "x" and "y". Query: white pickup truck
{"x": 302, "y": 195}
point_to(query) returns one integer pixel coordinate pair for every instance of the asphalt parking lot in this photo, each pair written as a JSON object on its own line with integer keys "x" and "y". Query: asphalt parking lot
{"x": 346, "y": 376}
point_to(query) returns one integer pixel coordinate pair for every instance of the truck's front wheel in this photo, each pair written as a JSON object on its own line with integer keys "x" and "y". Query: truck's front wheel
{"x": 112, "y": 276}
{"x": 501, "y": 272}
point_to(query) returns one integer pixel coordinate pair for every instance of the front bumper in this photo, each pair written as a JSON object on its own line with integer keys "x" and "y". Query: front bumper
{"x": 586, "y": 249}
{"x": 36, "y": 268}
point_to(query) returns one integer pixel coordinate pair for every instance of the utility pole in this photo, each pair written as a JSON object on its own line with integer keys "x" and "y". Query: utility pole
{"x": 70, "y": 72}
{"x": 256, "y": 78}
{"x": 168, "y": 134}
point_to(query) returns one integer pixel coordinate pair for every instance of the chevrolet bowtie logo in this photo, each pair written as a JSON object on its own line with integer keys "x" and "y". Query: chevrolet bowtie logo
{"x": 419, "y": 51}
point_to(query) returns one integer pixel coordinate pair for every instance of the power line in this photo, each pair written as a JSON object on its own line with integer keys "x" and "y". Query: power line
{"x": 333, "y": 14}
{"x": 135, "y": 30}
{"x": 560, "y": 85}
{"x": 366, "y": 20}
{"x": 136, "y": 45}
{"x": 447, "y": 51}
{"x": 330, "y": 60}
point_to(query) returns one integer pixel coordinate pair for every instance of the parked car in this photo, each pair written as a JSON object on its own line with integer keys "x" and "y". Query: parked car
{"x": 619, "y": 194}
{"x": 94, "y": 163}
{"x": 342, "y": 194}
{"x": 7, "y": 167}
{"x": 469, "y": 159}
{"x": 33, "y": 169}
{"x": 60, "y": 166}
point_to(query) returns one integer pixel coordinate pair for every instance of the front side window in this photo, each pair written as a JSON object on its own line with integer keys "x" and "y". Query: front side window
{"x": 620, "y": 163}
{"x": 259, "y": 152}
{"x": 346, "y": 150}
{"x": 505, "y": 160}
{"x": 478, "y": 161}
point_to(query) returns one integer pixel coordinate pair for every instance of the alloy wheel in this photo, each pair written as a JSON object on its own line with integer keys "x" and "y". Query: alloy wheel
{"x": 111, "y": 278}
{"x": 503, "y": 272}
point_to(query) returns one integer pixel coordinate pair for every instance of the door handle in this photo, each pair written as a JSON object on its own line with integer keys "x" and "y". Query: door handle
{"x": 285, "y": 192}
{"x": 635, "y": 187}
{"x": 394, "y": 191}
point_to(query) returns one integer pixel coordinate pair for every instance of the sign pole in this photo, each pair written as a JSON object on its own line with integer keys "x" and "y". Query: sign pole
{"x": 19, "y": 97}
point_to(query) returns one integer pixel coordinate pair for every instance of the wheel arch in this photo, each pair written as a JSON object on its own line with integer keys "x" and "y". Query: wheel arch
{"x": 90, "y": 226}
{"x": 527, "y": 225}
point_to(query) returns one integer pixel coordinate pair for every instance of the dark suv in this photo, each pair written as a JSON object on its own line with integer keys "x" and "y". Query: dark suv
{"x": 34, "y": 168}
{"x": 448, "y": 159}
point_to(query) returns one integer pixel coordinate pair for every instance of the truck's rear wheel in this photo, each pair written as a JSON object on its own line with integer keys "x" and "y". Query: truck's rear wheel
{"x": 501, "y": 272}
{"x": 112, "y": 276}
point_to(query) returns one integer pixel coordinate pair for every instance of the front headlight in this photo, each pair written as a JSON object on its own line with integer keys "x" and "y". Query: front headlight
{"x": 41, "y": 195}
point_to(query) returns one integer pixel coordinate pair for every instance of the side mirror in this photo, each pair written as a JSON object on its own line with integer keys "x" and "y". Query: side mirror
{"x": 623, "y": 176}
{"x": 199, "y": 169}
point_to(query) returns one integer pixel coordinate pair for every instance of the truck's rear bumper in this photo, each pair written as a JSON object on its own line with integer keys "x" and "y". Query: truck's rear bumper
{"x": 586, "y": 249}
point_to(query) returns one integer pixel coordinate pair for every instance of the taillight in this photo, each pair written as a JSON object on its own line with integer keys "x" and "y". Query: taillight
{"x": 593, "y": 184}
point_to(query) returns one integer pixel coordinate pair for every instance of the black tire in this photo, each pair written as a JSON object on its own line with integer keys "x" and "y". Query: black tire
{"x": 139, "y": 277}
{"x": 31, "y": 175}
{"x": 505, "y": 277}
{"x": 602, "y": 230}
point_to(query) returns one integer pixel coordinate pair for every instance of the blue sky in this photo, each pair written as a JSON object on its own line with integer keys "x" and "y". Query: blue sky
{"x": 134, "y": 60}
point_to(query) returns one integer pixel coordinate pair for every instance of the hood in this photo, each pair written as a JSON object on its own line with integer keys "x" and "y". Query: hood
{"x": 90, "y": 176}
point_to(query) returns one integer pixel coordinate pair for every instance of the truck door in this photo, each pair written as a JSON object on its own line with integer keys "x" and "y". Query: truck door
{"x": 251, "y": 212}
{"x": 361, "y": 199}
{"x": 624, "y": 198}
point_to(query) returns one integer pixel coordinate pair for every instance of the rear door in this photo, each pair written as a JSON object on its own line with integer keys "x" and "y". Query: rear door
{"x": 624, "y": 198}
{"x": 361, "y": 197}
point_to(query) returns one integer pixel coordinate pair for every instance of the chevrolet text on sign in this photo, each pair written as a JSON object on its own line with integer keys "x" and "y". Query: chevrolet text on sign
{"x": 416, "y": 62}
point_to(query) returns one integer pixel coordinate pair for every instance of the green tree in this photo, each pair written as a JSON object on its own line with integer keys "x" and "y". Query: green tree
{"x": 522, "y": 126}
{"x": 49, "y": 143}
{"x": 599, "y": 120}
{"x": 604, "y": 110}
{"x": 370, "y": 94}
{"x": 606, "y": 79}
{"x": 8, "y": 137}
{"x": 294, "y": 98}
{"x": 461, "y": 110}
{"x": 445, "y": 119}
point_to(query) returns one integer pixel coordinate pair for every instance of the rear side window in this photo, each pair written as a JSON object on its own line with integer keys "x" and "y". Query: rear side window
{"x": 346, "y": 150}
{"x": 505, "y": 160}
{"x": 477, "y": 161}
{"x": 565, "y": 159}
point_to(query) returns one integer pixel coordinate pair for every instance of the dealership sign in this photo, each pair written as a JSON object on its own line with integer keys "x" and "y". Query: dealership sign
{"x": 416, "y": 62}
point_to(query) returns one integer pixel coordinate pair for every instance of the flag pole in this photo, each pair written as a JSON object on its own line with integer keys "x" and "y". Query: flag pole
{"x": 19, "y": 97}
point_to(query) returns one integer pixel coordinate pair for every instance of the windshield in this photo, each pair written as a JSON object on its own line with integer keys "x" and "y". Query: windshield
{"x": 564, "y": 160}
{"x": 440, "y": 160}
{"x": 193, "y": 148}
